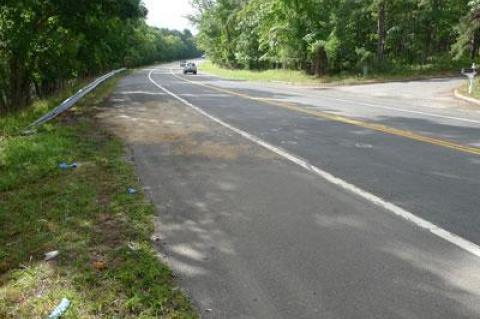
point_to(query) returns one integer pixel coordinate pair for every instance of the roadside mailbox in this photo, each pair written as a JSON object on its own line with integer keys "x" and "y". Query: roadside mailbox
{"x": 470, "y": 73}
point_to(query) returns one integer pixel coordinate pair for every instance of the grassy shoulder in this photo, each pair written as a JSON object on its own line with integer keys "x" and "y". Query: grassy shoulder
{"x": 476, "y": 90}
{"x": 301, "y": 78}
{"x": 106, "y": 265}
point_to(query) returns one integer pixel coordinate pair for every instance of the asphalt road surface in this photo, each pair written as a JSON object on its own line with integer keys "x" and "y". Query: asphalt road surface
{"x": 286, "y": 202}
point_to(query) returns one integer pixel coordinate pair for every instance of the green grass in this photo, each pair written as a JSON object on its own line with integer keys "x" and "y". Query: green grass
{"x": 301, "y": 78}
{"x": 476, "y": 89}
{"x": 84, "y": 213}
{"x": 250, "y": 75}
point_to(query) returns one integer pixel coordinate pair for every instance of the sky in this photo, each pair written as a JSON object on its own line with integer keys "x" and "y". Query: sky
{"x": 169, "y": 13}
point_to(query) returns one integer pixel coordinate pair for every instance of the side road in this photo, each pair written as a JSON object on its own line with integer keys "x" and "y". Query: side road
{"x": 433, "y": 93}
{"x": 431, "y": 99}
{"x": 251, "y": 235}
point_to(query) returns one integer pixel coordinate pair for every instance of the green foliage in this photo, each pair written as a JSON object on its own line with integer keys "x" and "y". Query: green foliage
{"x": 44, "y": 44}
{"x": 334, "y": 36}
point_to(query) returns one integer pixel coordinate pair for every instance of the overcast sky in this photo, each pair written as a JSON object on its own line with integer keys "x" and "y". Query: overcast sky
{"x": 169, "y": 13}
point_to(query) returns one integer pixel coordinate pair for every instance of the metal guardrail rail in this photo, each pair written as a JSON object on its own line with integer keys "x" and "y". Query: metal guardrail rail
{"x": 71, "y": 101}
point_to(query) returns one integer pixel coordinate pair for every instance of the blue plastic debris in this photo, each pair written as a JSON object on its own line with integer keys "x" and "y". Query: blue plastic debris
{"x": 60, "y": 309}
{"x": 132, "y": 191}
{"x": 65, "y": 165}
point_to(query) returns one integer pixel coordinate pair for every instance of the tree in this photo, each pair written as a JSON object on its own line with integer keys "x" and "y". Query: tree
{"x": 468, "y": 32}
{"x": 46, "y": 43}
{"x": 331, "y": 36}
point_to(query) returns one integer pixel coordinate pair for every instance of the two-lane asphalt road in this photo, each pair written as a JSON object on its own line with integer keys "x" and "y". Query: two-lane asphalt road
{"x": 283, "y": 202}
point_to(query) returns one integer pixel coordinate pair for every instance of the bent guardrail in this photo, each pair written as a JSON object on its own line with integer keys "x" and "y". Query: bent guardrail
{"x": 71, "y": 101}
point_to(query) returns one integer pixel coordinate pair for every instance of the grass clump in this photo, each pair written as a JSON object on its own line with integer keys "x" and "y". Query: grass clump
{"x": 86, "y": 214}
{"x": 476, "y": 89}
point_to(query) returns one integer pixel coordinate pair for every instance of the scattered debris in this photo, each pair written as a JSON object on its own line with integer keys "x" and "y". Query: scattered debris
{"x": 155, "y": 238}
{"x": 66, "y": 166}
{"x": 60, "y": 309}
{"x": 134, "y": 246}
{"x": 100, "y": 264}
{"x": 51, "y": 255}
{"x": 132, "y": 191}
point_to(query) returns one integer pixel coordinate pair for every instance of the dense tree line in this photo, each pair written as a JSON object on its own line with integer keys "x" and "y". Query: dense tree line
{"x": 325, "y": 36}
{"x": 44, "y": 44}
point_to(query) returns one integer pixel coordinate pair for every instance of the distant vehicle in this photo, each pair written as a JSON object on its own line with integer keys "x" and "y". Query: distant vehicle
{"x": 183, "y": 63}
{"x": 190, "y": 68}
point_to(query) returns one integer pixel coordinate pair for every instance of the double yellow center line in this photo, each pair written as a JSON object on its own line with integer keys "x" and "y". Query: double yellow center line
{"x": 346, "y": 120}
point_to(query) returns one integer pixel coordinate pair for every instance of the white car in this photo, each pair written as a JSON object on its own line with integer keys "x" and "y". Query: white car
{"x": 190, "y": 68}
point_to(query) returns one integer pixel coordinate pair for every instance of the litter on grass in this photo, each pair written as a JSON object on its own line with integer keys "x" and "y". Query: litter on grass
{"x": 133, "y": 246}
{"x": 60, "y": 309}
{"x": 132, "y": 191}
{"x": 51, "y": 255}
{"x": 65, "y": 165}
{"x": 100, "y": 265}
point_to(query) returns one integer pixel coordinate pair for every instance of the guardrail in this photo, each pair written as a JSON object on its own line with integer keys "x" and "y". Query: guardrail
{"x": 71, "y": 101}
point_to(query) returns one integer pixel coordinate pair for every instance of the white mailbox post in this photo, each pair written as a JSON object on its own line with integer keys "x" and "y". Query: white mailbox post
{"x": 470, "y": 74}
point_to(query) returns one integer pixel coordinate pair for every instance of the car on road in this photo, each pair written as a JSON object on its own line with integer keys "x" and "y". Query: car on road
{"x": 190, "y": 68}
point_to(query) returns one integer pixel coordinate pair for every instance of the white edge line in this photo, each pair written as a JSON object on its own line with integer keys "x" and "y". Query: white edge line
{"x": 418, "y": 221}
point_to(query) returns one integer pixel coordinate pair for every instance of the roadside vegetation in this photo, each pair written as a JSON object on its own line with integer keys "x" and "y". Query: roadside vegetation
{"x": 375, "y": 39}
{"x": 46, "y": 45}
{"x": 476, "y": 89}
{"x": 106, "y": 265}
{"x": 297, "y": 77}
